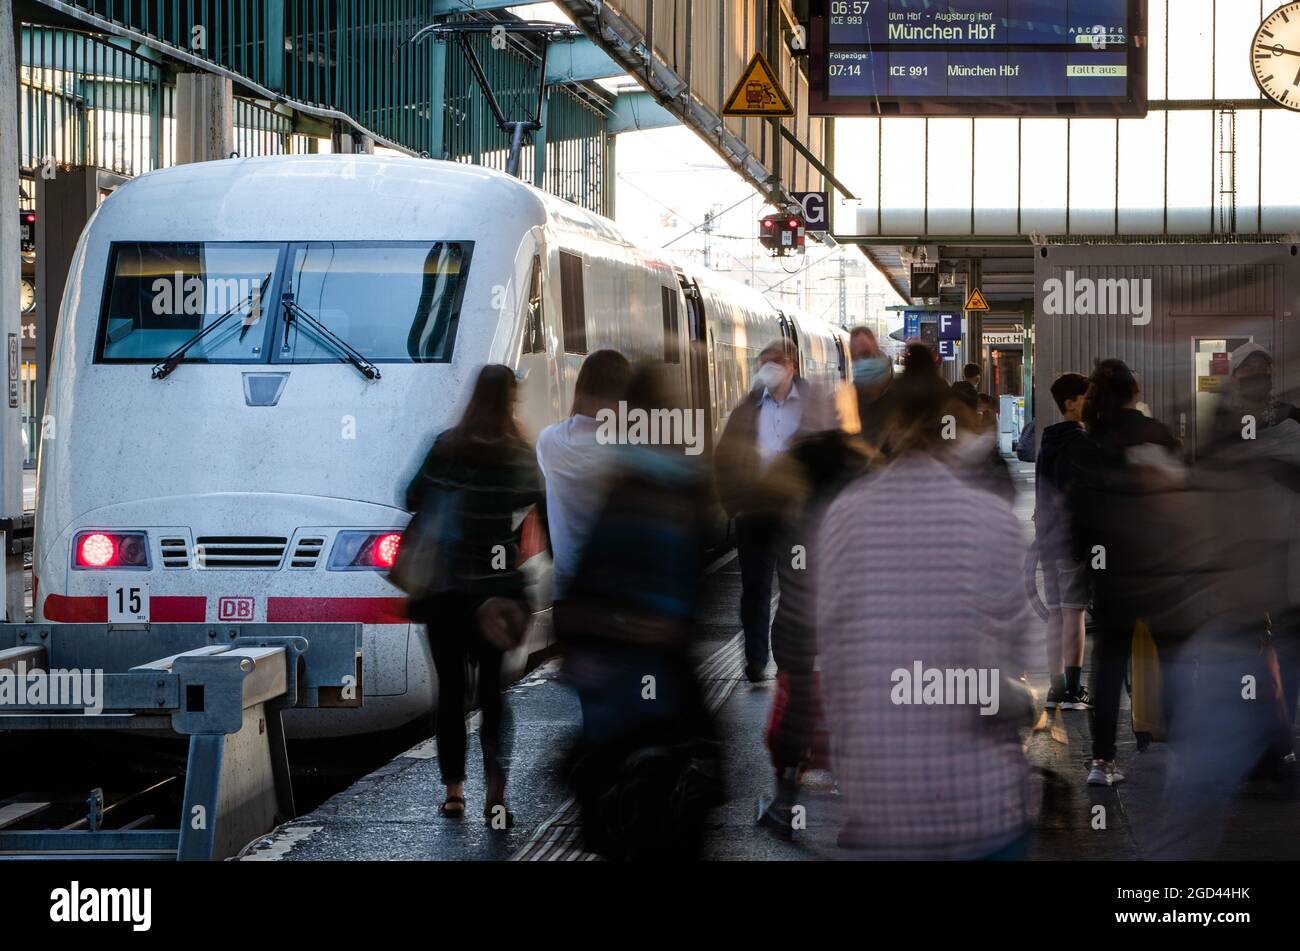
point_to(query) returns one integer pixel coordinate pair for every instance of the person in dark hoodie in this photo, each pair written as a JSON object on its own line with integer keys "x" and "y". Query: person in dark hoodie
{"x": 1065, "y": 579}
{"x": 1117, "y": 514}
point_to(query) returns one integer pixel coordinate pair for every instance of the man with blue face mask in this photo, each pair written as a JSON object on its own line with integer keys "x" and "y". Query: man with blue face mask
{"x": 873, "y": 373}
{"x": 776, "y": 411}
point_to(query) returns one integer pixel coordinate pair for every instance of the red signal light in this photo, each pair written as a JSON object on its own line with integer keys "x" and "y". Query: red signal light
{"x": 29, "y": 217}
{"x": 794, "y": 224}
{"x": 769, "y": 224}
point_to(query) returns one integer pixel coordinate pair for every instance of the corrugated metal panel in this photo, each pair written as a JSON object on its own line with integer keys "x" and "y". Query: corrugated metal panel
{"x": 708, "y": 43}
{"x": 706, "y": 54}
{"x": 1222, "y": 285}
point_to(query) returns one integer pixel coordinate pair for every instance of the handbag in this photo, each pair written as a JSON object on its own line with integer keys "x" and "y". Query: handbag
{"x": 426, "y": 560}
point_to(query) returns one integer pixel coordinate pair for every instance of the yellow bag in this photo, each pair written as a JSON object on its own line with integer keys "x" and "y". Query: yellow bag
{"x": 1148, "y": 712}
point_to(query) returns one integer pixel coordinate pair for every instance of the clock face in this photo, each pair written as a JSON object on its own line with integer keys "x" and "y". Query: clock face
{"x": 28, "y": 297}
{"x": 1275, "y": 55}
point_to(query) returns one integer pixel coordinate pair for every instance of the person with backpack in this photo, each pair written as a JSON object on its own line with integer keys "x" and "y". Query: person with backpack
{"x": 481, "y": 475}
{"x": 646, "y": 768}
{"x": 1117, "y": 482}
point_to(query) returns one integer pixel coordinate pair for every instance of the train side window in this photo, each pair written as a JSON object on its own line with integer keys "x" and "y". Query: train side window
{"x": 573, "y": 303}
{"x": 672, "y": 327}
{"x": 534, "y": 331}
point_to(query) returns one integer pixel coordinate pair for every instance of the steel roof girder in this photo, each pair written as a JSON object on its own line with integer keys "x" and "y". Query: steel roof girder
{"x": 579, "y": 62}
{"x": 639, "y": 111}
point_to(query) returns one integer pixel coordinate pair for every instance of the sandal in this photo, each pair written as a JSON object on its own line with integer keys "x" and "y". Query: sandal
{"x": 449, "y": 808}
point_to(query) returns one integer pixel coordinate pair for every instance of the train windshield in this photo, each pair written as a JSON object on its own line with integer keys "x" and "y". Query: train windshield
{"x": 394, "y": 302}
{"x": 391, "y": 301}
{"x": 161, "y": 295}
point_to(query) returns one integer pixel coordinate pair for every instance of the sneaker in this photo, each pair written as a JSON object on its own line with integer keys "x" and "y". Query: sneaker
{"x": 1055, "y": 698}
{"x": 1104, "y": 773}
{"x": 1077, "y": 701}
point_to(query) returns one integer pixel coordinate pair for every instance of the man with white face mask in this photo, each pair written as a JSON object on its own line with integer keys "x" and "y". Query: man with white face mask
{"x": 760, "y": 429}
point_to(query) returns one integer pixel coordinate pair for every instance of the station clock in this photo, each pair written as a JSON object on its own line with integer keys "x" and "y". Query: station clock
{"x": 1275, "y": 55}
{"x": 28, "y": 297}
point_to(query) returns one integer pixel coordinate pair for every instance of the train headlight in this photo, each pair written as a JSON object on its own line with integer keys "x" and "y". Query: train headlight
{"x": 96, "y": 549}
{"x": 361, "y": 551}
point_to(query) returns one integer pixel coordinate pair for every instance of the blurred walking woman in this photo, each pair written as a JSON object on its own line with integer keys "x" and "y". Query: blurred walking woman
{"x": 485, "y": 473}
{"x": 925, "y": 774}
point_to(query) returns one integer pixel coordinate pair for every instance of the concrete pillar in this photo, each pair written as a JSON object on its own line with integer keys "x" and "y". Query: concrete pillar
{"x": 353, "y": 143}
{"x": 205, "y": 118}
{"x": 11, "y": 442}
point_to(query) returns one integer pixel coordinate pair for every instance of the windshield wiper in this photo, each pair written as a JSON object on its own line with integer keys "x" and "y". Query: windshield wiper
{"x": 354, "y": 356}
{"x": 164, "y": 369}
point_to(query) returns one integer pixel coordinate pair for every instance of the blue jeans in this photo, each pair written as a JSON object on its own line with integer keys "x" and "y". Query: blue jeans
{"x": 754, "y": 549}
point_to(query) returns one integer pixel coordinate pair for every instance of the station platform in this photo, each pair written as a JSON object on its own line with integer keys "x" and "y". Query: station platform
{"x": 392, "y": 814}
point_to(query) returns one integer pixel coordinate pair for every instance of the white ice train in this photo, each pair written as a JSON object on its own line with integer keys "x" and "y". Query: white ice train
{"x": 256, "y": 472}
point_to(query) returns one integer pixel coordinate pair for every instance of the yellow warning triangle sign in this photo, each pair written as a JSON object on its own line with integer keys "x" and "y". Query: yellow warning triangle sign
{"x": 977, "y": 301}
{"x": 758, "y": 93}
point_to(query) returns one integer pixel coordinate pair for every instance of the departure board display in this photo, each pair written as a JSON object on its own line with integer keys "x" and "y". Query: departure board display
{"x": 979, "y": 57}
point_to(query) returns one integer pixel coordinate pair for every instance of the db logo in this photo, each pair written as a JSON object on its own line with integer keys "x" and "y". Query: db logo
{"x": 235, "y": 609}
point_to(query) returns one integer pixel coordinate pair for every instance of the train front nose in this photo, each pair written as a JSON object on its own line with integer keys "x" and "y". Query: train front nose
{"x": 248, "y": 560}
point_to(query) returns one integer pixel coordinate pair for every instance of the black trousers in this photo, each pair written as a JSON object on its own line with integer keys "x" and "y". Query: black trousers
{"x": 1111, "y": 649}
{"x": 454, "y": 640}
{"x": 757, "y": 556}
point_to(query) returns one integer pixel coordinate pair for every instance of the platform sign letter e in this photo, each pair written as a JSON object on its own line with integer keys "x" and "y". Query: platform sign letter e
{"x": 235, "y": 609}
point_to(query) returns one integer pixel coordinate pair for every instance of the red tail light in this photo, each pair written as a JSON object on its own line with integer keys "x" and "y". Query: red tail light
{"x": 97, "y": 551}
{"x": 365, "y": 551}
{"x": 111, "y": 550}
{"x": 385, "y": 549}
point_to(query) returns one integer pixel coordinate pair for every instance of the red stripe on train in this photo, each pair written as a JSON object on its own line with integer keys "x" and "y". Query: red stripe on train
{"x": 91, "y": 609}
{"x": 165, "y": 609}
{"x": 347, "y": 610}
{"x": 78, "y": 610}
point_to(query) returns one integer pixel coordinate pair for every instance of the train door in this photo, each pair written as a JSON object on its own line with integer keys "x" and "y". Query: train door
{"x": 791, "y": 333}
{"x": 1203, "y": 347}
{"x": 697, "y": 369}
{"x": 541, "y": 401}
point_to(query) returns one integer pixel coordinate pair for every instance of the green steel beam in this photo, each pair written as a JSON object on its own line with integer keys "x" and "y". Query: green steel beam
{"x": 539, "y": 146}
{"x": 67, "y": 51}
{"x": 637, "y": 112}
{"x": 437, "y": 129}
{"x": 272, "y": 42}
{"x": 579, "y": 62}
